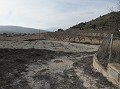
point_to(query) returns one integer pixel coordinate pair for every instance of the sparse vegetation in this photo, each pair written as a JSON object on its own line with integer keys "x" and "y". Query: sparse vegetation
{"x": 33, "y": 61}
{"x": 104, "y": 23}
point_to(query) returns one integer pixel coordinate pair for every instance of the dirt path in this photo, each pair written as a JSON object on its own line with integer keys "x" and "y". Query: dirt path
{"x": 49, "y": 45}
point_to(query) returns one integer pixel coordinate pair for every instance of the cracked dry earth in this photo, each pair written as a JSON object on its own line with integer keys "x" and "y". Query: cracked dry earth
{"x": 50, "y": 67}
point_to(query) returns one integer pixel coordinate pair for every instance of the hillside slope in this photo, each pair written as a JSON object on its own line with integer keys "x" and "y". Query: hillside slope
{"x": 18, "y": 29}
{"x": 110, "y": 21}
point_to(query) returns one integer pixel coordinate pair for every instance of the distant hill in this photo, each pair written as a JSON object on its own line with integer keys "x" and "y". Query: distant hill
{"x": 18, "y": 29}
{"x": 110, "y": 21}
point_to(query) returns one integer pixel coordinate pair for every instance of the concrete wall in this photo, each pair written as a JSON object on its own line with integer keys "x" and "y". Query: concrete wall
{"x": 106, "y": 73}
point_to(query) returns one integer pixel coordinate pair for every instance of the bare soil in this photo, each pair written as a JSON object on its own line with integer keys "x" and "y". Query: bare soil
{"x": 49, "y": 69}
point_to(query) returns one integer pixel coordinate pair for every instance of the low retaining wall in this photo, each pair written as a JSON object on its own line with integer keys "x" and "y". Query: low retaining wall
{"x": 106, "y": 73}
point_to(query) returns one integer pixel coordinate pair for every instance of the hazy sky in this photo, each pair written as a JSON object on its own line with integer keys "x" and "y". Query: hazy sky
{"x": 46, "y": 14}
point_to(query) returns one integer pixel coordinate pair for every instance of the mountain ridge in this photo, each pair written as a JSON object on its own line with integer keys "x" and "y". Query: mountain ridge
{"x": 19, "y": 29}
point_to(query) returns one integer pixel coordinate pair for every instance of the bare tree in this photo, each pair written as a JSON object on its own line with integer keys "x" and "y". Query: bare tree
{"x": 116, "y": 16}
{"x": 118, "y": 5}
{"x": 115, "y": 8}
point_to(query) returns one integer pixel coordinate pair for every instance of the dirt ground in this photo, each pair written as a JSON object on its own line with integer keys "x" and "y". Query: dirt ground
{"x": 49, "y": 65}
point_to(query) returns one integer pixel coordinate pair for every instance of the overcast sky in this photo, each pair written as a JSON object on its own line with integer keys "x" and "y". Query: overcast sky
{"x": 46, "y": 14}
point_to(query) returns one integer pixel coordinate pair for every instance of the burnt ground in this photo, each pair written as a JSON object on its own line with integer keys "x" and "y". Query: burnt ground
{"x": 88, "y": 69}
{"x": 14, "y": 68}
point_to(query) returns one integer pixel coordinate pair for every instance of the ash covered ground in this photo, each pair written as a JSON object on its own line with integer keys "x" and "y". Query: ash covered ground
{"x": 49, "y": 65}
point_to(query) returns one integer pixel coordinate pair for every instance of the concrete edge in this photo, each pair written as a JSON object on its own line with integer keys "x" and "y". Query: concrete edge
{"x": 101, "y": 69}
